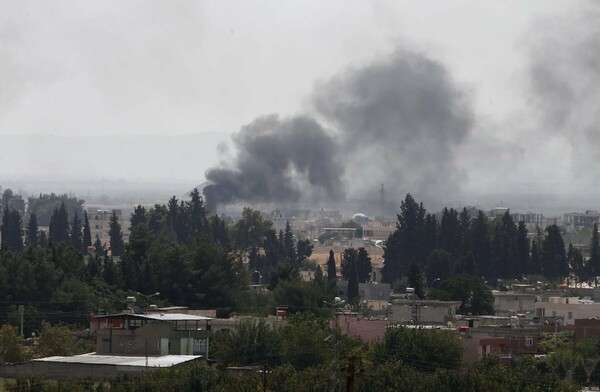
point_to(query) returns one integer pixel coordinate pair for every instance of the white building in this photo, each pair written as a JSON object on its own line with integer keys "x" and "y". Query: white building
{"x": 570, "y": 308}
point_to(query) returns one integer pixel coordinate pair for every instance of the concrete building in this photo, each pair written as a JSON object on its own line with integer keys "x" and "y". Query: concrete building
{"x": 151, "y": 334}
{"x": 127, "y": 343}
{"x": 99, "y": 220}
{"x": 508, "y": 303}
{"x": 423, "y": 311}
{"x": 569, "y": 308}
{"x": 581, "y": 219}
{"x": 371, "y": 291}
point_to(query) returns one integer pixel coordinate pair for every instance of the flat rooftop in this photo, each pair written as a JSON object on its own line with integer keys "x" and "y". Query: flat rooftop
{"x": 95, "y": 359}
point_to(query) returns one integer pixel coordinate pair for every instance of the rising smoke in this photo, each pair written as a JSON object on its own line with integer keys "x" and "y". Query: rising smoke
{"x": 278, "y": 161}
{"x": 396, "y": 121}
{"x": 565, "y": 89}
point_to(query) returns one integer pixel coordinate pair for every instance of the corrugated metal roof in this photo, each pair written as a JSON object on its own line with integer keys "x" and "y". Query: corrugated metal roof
{"x": 94, "y": 359}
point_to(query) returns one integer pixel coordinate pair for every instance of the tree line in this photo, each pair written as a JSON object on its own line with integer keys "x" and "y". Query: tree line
{"x": 494, "y": 249}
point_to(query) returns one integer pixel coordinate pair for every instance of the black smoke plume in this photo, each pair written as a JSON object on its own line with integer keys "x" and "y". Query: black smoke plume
{"x": 278, "y": 161}
{"x": 395, "y": 122}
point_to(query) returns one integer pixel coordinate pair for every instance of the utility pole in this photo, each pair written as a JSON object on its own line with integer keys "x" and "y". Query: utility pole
{"x": 350, "y": 375}
{"x": 265, "y": 376}
{"x": 22, "y": 312}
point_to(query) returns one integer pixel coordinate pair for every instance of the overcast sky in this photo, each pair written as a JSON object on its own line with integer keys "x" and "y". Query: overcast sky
{"x": 73, "y": 68}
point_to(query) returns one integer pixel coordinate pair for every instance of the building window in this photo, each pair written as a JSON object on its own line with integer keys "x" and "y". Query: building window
{"x": 528, "y": 341}
{"x": 199, "y": 346}
{"x": 570, "y": 315}
{"x": 554, "y": 313}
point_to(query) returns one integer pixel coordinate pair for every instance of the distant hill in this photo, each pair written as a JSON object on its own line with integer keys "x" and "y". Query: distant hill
{"x": 143, "y": 159}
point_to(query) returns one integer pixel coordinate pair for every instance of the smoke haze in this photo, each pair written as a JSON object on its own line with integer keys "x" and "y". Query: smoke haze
{"x": 396, "y": 122}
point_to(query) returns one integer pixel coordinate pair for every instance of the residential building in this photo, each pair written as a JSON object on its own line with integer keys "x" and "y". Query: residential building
{"x": 423, "y": 311}
{"x": 127, "y": 343}
{"x": 581, "y": 219}
{"x": 508, "y": 303}
{"x": 569, "y": 308}
{"x": 99, "y": 220}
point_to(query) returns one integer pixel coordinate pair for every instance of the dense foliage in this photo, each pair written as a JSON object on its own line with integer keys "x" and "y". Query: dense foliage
{"x": 469, "y": 243}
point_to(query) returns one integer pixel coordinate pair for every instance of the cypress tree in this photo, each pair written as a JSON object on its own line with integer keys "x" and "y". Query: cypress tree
{"x": 480, "y": 244}
{"x": 11, "y": 230}
{"x": 31, "y": 234}
{"x": 116, "y": 236}
{"x": 43, "y": 239}
{"x": 406, "y": 243}
{"x": 331, "y": 272}
{"x": 554, "y": 259}
{"x": 137, "y": 217}
{"x": 594, "y": 261}
{"x": 353, "y": 295}
{"x": 59, "y": 225}
{"x": 87, "y": 235}
{"x": 522, "y": 249}
{"x": 289, "y": 249}
{"x": 197, "y": 213}
{"x": 76, "y": 240}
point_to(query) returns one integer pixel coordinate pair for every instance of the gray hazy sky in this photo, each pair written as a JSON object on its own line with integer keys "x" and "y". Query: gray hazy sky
{"x": 528, "y": 68}
{"x": 163, "y": 67}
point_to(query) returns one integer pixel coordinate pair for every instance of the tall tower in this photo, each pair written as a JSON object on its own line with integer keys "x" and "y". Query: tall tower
{"x": 381, "y": 201}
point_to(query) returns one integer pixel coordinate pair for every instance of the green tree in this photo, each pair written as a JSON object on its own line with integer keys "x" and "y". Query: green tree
{"x": 553, "y": 256}
{"x": 43, "y": 239}
{"x": 76, "y": 239}
{"x": 450, "y": 232}
{"x": 352, "y": 292}
{"x": 289, "y": 250}
{"x": 303, "y": 251}
{"x": 138, "y": 216}
{"x": 331, "y": 270}
{"x": 56, "y": 340}
{"x": 32, "y": 232}
{"x": 475, "y": 296}
{"x": 594, "y": 260}
{"x": 360, "y": 261}
{"x": 425, "y": 349}
{"x": 577, "y": 267}
{"x": 580, "y": 373}
{"x": 251, "y": 342}
{"x": 595, "y": 375}
{"x": 197, "y": 214}
{"x": 7, "y": 195}
{"x": 250, "y": 230}
{"x": 59, "y": 225}
{"x": 302, "y": 340}
{"x": 438, "y": 265}
{"x": 45, "y": 205}
{"x": 116, "y": 236}
{"x": 416, "y": 280}
{"x": 218, "y": 230}
{"x": 522, "y": 250}
{"x": 11, "y": 230}
{"x": 11, "y": 349}
{"x": 480, "y": 245}
{"x": 405, "y": 244}
{"x": 301, "y": 296}
{"x": 87, "y": 235}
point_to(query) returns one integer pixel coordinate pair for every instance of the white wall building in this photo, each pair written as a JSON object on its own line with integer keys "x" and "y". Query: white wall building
{"x": 570, "y": 308}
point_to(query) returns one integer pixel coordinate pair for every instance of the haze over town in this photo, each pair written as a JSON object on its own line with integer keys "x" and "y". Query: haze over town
{"x": 458, "y": 103}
